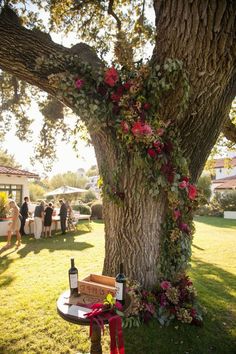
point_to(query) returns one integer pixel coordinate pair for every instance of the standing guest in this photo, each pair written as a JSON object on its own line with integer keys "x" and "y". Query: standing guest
{"x": 14, "y": 224}
{"x": 70, "y": 218}
{"x": 63, "y": 216}
{"x": 24, "y": 211}
{"x": 38, "y": 219}
{"x": 48, "y": 220}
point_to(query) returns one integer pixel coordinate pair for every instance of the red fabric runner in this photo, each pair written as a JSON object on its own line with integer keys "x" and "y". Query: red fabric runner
{"x": 98, "y": 315}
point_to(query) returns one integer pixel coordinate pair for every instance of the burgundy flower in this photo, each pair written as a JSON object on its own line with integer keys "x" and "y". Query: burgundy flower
{"x": 79, "y": 83}
{"x": 193, "y": 312}
{"x": 146, "y": 106}
{"x": 151, "y": 153}
{"x": 185, "y": 228}
{"x": 168, "y": 147}
{"x": 111, "y": 77}
{"x": 124, "y": 126}
{"x": 192, "y": 191}
{"x": 115, "y": 109}
{"x": 127, "y": 85}
{"x": 185, "y": 178}
{"x": 102, "y": 90}
{"x": 115, "y": 97}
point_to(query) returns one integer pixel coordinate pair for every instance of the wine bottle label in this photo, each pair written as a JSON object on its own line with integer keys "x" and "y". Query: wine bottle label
{"x": 119, "y": 291}
{"x": 73, "y": 281}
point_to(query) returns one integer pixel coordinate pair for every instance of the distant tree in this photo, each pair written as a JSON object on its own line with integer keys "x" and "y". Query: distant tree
{"x": 36, "y": 191}
{"x": 89, "y": 196}
{"x": 92, "y": 171}
{"x": 7, "y": 159}
{"x": 71, "y": 179}
{"x": 204, "y": 186}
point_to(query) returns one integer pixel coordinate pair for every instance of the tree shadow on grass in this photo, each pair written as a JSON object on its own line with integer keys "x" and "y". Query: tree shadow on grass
{"x": 216, "y": 221}
{"x": 4, "y": 264}
{"x": 215, "y": 292}
{"x": 55, "y": 243}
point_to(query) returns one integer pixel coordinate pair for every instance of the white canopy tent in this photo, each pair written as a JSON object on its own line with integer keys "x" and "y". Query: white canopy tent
{"x": 65, "y": 190}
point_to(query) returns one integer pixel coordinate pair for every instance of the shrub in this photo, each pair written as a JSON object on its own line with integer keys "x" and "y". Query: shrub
{"x": 89, "y": 196}
{"x": 227, "y": 201}
{"x": 3, "y": 205}
{"x": 204, "y": 188}
{"x": 82, "y": 208}
{"x": 97, "y": 210}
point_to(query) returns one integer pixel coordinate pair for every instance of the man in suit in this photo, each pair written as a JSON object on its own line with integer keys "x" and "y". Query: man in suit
{"x": 24, "y": 211}
{"x": 63, "y": 216}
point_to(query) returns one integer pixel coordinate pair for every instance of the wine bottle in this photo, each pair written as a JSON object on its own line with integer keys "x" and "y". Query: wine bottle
{"x": 120, "y": 286}
{"x": 73, "y": 278}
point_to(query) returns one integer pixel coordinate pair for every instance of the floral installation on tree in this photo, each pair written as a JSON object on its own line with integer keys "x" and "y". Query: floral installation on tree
{"x": 129, "y": 104}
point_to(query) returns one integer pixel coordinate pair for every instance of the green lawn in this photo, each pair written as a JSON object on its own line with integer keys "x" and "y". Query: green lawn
{"x": 33, "y": 276}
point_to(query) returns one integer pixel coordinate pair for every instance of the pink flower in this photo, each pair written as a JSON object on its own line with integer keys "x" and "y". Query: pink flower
{"x": 146, "y": 106}
{"x": 183, "y": 185}
{"x": 185, "y": 178}
{"x": 192, "y": 191}
{"x": 165, "y": 284}
{"x": 139, "y": 129}
{"x": 124, "y": 126}
{"x": 79, "y": 83}
{"x": 177, "y": 214}
{"x": 160, "y": 131}
{"x": 147, "y": 130}
{"x": 111, "y": 77}
{"x": 151, "y": 153}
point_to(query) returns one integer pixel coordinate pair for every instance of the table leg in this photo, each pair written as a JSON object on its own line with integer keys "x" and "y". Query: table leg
{"x": 96, "y": 347}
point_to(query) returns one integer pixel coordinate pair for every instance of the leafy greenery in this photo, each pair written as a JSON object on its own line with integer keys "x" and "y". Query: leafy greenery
{"x": 227, "y": 201}
{"x": 82, "y": 208}
{"x": 3, "y": 205}
{"x": 96, "y": 208}
{"x": 204, "y": 187}
{"x": 8, "y": 160}
{"x": 28, "y": 295}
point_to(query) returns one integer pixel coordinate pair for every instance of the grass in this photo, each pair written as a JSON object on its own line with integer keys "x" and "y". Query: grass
{"x": 33, "y": 276}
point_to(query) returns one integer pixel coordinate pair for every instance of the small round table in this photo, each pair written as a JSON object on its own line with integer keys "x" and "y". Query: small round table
{"x": 68, "y": 309}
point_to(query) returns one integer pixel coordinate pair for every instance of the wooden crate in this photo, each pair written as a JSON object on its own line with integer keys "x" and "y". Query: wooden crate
{"x": 97, "y": 285}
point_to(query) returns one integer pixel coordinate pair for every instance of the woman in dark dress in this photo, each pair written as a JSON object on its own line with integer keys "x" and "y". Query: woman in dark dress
{"x": 48, "y": 220}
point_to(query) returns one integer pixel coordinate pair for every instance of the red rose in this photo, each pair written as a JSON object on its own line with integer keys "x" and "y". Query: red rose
{"x": 111, "y": 77}
{"x": 185, "y": 178}
{"x": 151, "y": 153}
{"x": 192, "y": 191}
{"x": 115, "y": 97}
{"x": 124, "y": 126}
{"x": 137, "y": 129}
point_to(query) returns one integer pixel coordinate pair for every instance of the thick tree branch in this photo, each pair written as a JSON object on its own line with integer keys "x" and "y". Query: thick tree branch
{"x": 20, "y": 48}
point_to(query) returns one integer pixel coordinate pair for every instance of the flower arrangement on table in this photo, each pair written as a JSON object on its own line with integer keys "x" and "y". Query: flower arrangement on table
{"x": 168, "y": 301}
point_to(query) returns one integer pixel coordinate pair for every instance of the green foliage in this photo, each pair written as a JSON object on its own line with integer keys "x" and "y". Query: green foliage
{"x": 227, "y": 201}
{"x": 88, "y": 197}
{"x": 204, "y": 187}
{"x": 36, "y": 191}
{"x": 8, "y": 160}
{"x": 3, "y": 205}
{"x": 71, "y": 179}
{"x": 82, "y": 208}
{"x": 96, "y": 208}
{"x": 92, "y": 171}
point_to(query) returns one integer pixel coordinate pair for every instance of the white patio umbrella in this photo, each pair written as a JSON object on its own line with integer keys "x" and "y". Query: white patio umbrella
{"x": 65, "y": 190}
